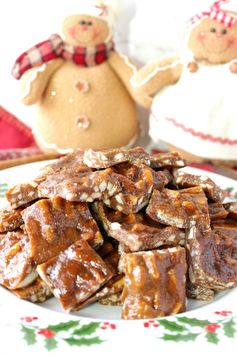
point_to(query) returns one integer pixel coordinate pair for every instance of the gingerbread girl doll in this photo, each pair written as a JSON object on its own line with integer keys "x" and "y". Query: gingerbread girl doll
{"x": 193, "y": 96}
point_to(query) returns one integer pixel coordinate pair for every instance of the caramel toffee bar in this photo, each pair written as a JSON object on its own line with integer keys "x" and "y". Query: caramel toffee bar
{"x": 154, "y": 283}
{"x": 136, "y": 231}
{"x": 75, "y": 274}
{"x": 176, "y": 208}
{"x": 37, "y": 292}
{"x": 10, "y": 220}
{"x": 17, "y": 269}
{"x": 53, "y": 225}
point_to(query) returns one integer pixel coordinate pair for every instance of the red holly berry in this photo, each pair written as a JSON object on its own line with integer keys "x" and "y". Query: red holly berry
{"x": 47, "y": 333}
{"x": 146, "y": 324}
{"x": 155, "y": 325}
{"x": 223, "y": 313}
{"x": 106, "y": 325}
{"x": 28, "y": 319}
{"x": 211, "y": 328}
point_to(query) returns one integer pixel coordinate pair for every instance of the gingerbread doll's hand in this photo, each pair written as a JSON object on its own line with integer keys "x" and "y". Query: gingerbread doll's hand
{"x": 35, "y": 80}
{"x": 233, "y": 67}
{"x": 193, "y": 67}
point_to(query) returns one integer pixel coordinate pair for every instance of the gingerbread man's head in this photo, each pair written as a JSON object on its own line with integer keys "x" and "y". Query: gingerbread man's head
{"x": 91, "y": 26}
{"x": 213, "y": 35}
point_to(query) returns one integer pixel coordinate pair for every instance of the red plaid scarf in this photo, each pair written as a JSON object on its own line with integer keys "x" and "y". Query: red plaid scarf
{"x": 54, "y": 48}
{"x": 217, "y": 14}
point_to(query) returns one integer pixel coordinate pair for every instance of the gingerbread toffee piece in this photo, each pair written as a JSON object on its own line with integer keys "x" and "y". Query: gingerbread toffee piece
{"x": 110, "y": 292}
{"x": 10, "y": 220}
{"x": 25, "y": 193}
{"x": 137, "y": 183}
{"x": 72, "y": 163}
{"x": 212, "y": 191}
{"x": 53, "y": 225}
{"x": 210, "y": 258}
{"x": 110, "y": 157}
{"x": 217, "y": 211}
{"x": 166, "y": 160}
{"x": 75, "y": 274}
{"x": 199, "y": 292}
{"x": 22, "y": 194}
{"x": 176, "y": 208}
{"x": 154, "y": 284}
{"x": 136, "y": 187}
{"x": 86, "y": 186}
{"x": 137, "y": 231}
{"x": 112, "y": 300}
{"x": 17, "y": 269}
{"x": 37, "y": 292}
{"x": 144, "y": 179}
{"x": 107, "y": 158}
{"x": 227, "y": 228}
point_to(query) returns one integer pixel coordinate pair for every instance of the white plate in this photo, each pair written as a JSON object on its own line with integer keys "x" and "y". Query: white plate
{"x": 38, "y": 328}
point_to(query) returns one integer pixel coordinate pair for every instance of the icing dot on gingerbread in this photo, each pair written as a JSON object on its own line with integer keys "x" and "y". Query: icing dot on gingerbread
{"x": 53, "y": 93}
{"x": 82, "y": 122}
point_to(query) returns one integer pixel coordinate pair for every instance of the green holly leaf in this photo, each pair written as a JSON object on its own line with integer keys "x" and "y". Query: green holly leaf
{"x": 172, "y": 326}
{"x": 50, "y": 344}
{"x": 229, "y": 328}
{"x": 62, "y": 327}
{"x": 87, "y": 329}
{"x": 83, "y": 341}
{"x": 212, "y": 338}
{"x": 29, "y": 335}
{"x": 180, "y": 337}
{"x": 235, "y": 195}
{"x": 3, "y": 189}
{"x": 194, "y": 322}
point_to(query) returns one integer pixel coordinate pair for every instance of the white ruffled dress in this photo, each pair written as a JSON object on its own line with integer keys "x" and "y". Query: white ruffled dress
{"x": 199, "y": 113}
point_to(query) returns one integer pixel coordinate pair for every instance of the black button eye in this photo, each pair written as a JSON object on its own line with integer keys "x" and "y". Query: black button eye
{"x": 82, "y": 22}
{"x": 224, "y": 32}
{"x": 213, "y": 30}
{"x": 89, "y": 23}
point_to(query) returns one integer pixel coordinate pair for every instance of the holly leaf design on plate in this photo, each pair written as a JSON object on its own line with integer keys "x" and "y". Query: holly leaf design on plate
{"x": 212, "y": 338}
{"x": 172, "y": 326}
{"x": 194, "y": 322}
{"x": 50, "y": 344}
{"x": 83, "y": 341}
{"x": 229, "y": 328}
{"x": 87, "y": 329}
{"x": 3, "y": 189}
{"x": 29, "y": 335}
{"x": 62, "y": 327}
{"x": 180, "y": 337}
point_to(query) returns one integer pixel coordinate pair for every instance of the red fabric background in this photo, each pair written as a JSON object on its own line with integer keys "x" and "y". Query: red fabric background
{"x": 14, "y": 133}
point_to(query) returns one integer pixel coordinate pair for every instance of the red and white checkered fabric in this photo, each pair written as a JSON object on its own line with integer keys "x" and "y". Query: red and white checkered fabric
{"x": 216, "y": 13}
{"x": 54, "y": 48}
